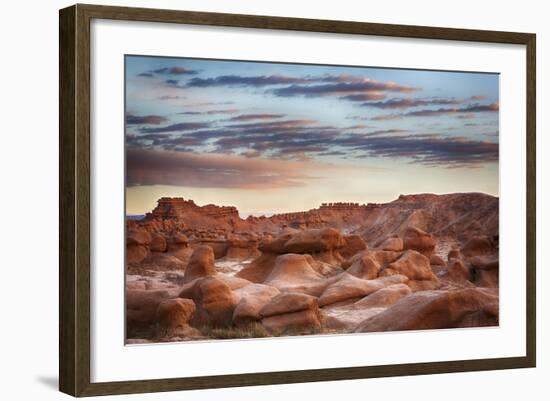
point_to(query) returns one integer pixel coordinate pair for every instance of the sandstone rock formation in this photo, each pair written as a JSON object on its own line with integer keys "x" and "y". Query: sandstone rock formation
{"x": 201, "y": 264}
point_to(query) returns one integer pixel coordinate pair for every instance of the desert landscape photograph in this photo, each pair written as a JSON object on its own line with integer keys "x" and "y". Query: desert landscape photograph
{"x": 272, "y": 199}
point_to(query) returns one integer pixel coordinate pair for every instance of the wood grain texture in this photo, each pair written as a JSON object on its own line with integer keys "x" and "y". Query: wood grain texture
{"x": 74, "y": 199}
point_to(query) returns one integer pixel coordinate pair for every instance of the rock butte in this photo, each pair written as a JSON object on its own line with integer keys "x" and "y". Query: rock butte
{"x": 419, "y": 262}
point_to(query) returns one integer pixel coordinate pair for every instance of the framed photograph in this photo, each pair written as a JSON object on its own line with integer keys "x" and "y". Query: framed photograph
{"x": 249, "y": 200}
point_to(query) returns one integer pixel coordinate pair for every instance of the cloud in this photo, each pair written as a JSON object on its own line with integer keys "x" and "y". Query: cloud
{"x": 342, "y": 88}
{"x": 433, "y": 150}
{"x": 152, "y": 167}
{"x": 174, "y": 71}
{"x": 364, "y": 97}
{"x": 251, "y": 117}
{"x": 474, "y": 108}
{"x": 403, "y": 103}
{"x": 172, "y": 82}
{"x": 151, "y": 119}
{"x": 145, "y": 75}
{"x": 170, "y": 97}
{"x": 236, "y": 80}
{"x": 387, "y": 117}
{"x": 175, "y": 127}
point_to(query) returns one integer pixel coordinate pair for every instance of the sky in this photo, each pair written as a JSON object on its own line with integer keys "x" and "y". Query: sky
{"x": 281, "y": 137}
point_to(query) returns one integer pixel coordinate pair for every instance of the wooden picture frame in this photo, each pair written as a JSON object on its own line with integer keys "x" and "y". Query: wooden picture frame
{"x": 75, "y": 208}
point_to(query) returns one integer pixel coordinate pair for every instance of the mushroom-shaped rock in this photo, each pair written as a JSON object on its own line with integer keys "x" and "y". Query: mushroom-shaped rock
{"x": 276, "y": 246}
{"x": 288, "y": 302}
{"x": 173, "y": 316}
{"x": 137, "y": 242}
{"x": 291, "y": 313}
{"x": 317, "y": 240}
{"x": 384, "y": 297}
{"x": 258, "y": 270}
{"x": 253, "y": 298}
{"x": 392, "y": 243}
{"x": 201, "y": 264}
{"x": 418, "y": 240}
{"x": 478, "y": 245}
{"x": 214, "y": 299}
{"x": 241, "y": 248}
{"x": 352, "y": 245}
{"x": 141, "y": 307}
{"x": 430, "y": 310}
{"x": 349, "y": 287}
{"x": 295, "y": 273}
{"x": 158, "y": 243}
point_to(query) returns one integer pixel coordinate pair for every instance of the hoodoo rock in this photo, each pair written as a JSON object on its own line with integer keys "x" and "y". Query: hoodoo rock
{"x": 349, "y": 287}
{"x": 418, "y": 240}
{"x": 137, "y": 243}
{"x": 214, "y": 299}
{"x": 173, "y": 316}
{"x": 141, "y": 308}
{"x": 291, "y": 312}
{"x": 312, "y": 241}
{"x": 252, "y": 299}
{"x": 201, "y": 264}
{"x": 431, "y": 310}
{"x": 294, "y": 272}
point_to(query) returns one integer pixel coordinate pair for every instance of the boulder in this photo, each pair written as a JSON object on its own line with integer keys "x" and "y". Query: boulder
{"x": 163, "y": 261}
{"x": 349, "y": 287}
{"x": 418, "y": 240}
{"x": 201, "y": 264}
{"x": 384, "y": 297}
{"x": 478, "y": 245}
{"x": 487, "y": 278}
{"x": 158, "y": 244}
{"x": 429, "y": 310}
{"x": 391, "y": 243}
{"x": 365, "y": 267}
{"x": 253, "y": 298}
{"x": 317, "y": 240}
{"x": 352, "y": 245}
{"x": 241, "y": 248}
{"x": 258, "y": 270}
{"x": 214, "y": 299}
{"x": 137, "y": 244}
{"x": 173, "y": 316}
{"x": 288, "y": 302}
{"x": 302, "y": 322}
{"x": 412, "y": 264}
{"x": 276, "y": 246}
{"x": 141, "y": 307}
{"x": 457, "y": 272}
{"x": 295, "y": 273}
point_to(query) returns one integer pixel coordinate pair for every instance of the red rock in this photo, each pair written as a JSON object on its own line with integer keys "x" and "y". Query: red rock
{"x": 258, "y": 270}
{"x": 412, "y": 264}
{"x": 138, "y": 237}
{"x": 437, "y": 260}
{"x": 158, "y": 244}
{"x": 173, "y": 316}
{"x": 294, "y": 272}
{"x": 454, "y": 254}
{"x": 429, "y": 310}
{"x": 478, "y": 245}
{"x": 141, "y": 307}
{"x": 353, "y": 244}
{"x": 484, "y": 262}
{"x": 384, "y": 297}
{"x": 457, "y": 271}
{"x": 418, "y": 240}
{"x": 288, "y": 302}
{"x": 392, "y": 243}
{"x": 310, "y": 241}
{"x": 252, "y": 299}
{"x": 302, "y": 322}
{"x": 201, "y": 264}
